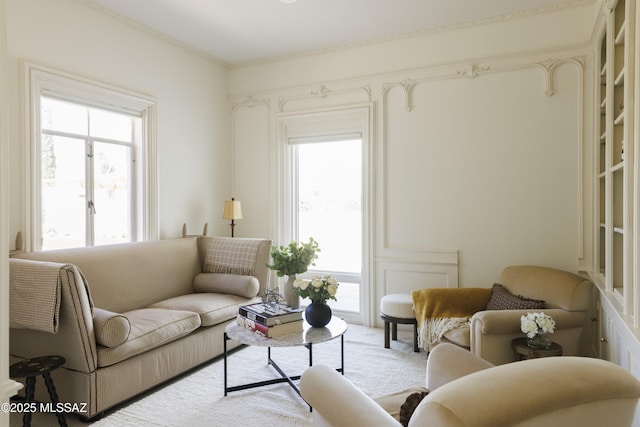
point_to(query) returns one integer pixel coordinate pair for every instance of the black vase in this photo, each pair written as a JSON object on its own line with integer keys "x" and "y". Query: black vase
{"x": 318, "y": 314}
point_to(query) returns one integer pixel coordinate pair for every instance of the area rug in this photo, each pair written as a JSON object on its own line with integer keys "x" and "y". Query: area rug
{"x": 197, "y": 398}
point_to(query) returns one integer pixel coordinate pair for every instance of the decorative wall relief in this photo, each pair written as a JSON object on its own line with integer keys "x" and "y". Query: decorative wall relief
{"x": 473, "y": 71}
{"x": 549, "y": 66}
{"x": 251, "y": 102}
{"x": 322, "y": 93}
{"x": 407, "y": 85}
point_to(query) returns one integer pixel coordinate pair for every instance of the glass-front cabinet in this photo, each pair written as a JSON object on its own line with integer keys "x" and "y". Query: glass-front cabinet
{"x": 614, "y": 153}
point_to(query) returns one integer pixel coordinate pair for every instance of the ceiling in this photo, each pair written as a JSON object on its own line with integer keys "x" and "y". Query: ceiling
{"x": 241, "y": 31}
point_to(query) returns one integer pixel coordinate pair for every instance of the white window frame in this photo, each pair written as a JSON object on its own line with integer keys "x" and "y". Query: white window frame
{"x": 42, "y": 81}
{"x": 318, "y": 126}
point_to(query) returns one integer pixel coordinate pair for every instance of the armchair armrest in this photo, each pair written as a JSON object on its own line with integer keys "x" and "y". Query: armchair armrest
{"x": 337, "y": 402}
{"x": 448, "y": 362}
{"x": 493, "y": 330}
{"x": 553, "y": 391}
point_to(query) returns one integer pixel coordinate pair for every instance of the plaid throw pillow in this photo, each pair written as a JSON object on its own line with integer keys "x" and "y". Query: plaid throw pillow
{"x": 502, "y": 299}
{"x": 232, "y": 256}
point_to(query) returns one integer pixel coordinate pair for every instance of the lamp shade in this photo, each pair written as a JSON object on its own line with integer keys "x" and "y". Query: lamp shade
{"x": 232, "y": 209}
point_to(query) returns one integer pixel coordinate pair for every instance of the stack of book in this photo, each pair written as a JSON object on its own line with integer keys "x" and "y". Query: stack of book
{"x": 270, "y": 320}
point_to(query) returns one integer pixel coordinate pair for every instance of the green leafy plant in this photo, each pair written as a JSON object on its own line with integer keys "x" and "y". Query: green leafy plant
{"x": 294, "y": 258}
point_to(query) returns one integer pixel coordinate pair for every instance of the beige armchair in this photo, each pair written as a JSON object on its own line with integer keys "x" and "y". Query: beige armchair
{"x": 568, "y": 298}
{"x": 467, "y": 391}
{"x": 485, "y": 321}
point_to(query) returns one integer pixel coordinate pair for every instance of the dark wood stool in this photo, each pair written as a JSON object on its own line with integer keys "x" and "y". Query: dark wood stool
{"x": 393, "y": 322}
{"x": 30, "y": 369}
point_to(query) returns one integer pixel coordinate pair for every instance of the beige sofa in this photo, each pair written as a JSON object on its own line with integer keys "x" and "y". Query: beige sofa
{"x": 130, "y": 316}
{"x": 466, "y": 391}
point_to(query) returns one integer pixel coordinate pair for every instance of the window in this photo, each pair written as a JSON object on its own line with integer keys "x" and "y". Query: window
{"x": 93, "y": 164}
{"x": 329, "y": 209}
{"x": 323, "y": 190}
{"x": 86, "y": 171}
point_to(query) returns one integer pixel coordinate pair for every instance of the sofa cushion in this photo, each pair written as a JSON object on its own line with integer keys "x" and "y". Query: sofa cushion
{"x": 212, "y": 308}
{"x": 460, "y": 336}
{"x": 111, "y": 329}
{"x": 233, "y": 256}
{"x": 234, "y": 284}
{"x": 502, "y": 299}
{"x": 150, "y": 328}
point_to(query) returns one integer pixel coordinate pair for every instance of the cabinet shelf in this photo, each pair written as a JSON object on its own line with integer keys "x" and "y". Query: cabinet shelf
{"x": 620, "y": 119}
{"x": 618, "y": 166}
{"x": 619, "y": 40}
{"x": 619, "y": 78}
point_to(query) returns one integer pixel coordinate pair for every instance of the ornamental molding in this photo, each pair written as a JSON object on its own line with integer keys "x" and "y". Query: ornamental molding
{"x": 407, "y": 86}
{"x": 251, "y": 102}
{"x": 427, "y": 31}
{"x": 548, "y": 66}
{"x": 473, "y": 71}
{"x": 323, "y": 93}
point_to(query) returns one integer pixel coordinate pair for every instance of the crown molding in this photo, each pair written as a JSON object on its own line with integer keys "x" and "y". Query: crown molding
{"x": 433, "y": 30}
{"x": 152, "y": 32}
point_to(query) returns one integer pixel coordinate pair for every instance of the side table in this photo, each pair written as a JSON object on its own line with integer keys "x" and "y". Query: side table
{"x": 522, "y": 351}
{"x": 30, "y": 369}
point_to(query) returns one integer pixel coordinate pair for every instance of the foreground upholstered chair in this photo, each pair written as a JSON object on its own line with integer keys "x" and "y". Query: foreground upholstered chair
{"x": 488, "y": 334}
{"x": 467, "y": 391}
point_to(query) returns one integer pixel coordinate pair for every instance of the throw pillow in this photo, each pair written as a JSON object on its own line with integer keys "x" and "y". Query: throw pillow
{"x": 502, "y": 299}
{"x": 234, "y": 284}
{"x": 111, "y": 329}
{"x": 233, "y": 256}
{"x": 410, "y": 405}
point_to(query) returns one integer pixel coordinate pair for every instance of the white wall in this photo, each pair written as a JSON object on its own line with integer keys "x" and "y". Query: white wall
{"x": 192, "y": 114}
{"x": 474, "y": 162}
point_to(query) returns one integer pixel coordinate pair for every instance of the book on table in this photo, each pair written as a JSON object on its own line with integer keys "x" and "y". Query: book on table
{"x": 270, "y": 331}
{"x": 270, "y": 314}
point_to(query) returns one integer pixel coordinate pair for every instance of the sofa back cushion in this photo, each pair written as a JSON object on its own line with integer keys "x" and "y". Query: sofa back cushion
{"x": 558, "y": 288}
{"x": 127, "y": 276}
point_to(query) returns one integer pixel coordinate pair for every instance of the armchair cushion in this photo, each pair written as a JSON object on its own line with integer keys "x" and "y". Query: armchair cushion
{"x": 502, "y": 299}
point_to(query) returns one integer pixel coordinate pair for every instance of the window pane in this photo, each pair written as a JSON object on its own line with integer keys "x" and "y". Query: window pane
{"x": 330, "y": 191}
{"x": 63, "y": 192}
{"x": 110, "y": 125}
{"x": 63, "y": 116}
{"x": 112, "y": 193}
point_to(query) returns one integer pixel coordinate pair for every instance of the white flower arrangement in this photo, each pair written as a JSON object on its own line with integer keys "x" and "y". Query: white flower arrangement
{"x": 534, "y": 324}
{"x": 319, "y": 288}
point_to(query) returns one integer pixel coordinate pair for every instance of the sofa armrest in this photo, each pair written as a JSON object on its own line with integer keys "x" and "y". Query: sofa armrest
{"x": 337, "y": 402}
{"x": 508, "y": 321}
{"x": 448, "y": 362}
{"x": 552, "y": 391}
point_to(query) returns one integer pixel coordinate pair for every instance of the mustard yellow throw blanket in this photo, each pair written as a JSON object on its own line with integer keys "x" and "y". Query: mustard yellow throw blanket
{"x": 439, "y": 310}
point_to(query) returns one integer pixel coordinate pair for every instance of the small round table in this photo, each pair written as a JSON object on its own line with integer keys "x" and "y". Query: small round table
{"x": 522, "y": 351}
{"x": 30, "y": 369}
{"x": 307, "y": 337}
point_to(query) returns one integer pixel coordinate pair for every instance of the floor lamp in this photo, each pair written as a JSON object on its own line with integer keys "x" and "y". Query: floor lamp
{"x": 232, "y": 211}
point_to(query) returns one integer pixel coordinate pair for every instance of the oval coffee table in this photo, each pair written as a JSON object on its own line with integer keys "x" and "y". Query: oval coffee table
{"x": 308, "y": 337}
